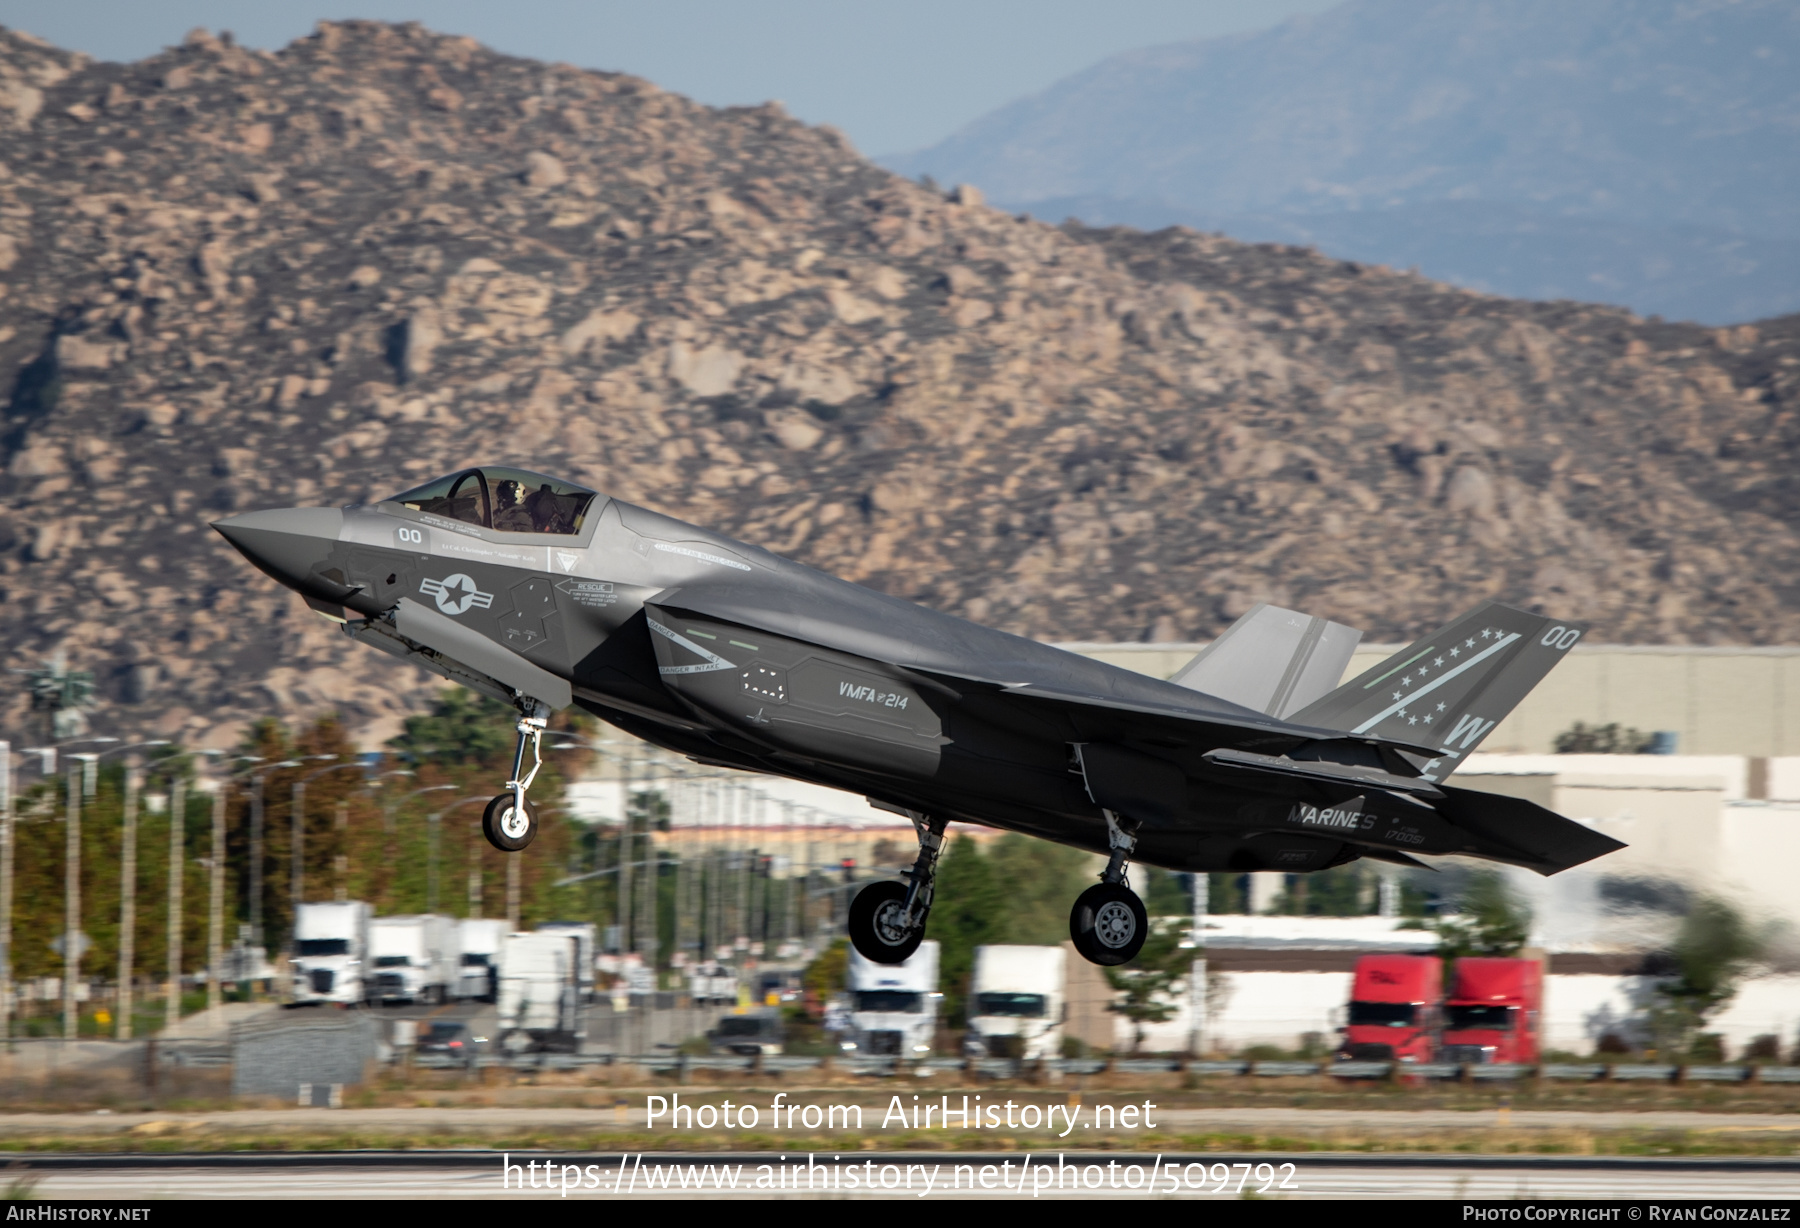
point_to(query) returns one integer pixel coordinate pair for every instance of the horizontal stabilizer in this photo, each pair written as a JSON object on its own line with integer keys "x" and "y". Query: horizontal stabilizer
{"x": 1449, "y": 689}
{"x": 1522, "y": 833}
{"x": 1273, "y": 660}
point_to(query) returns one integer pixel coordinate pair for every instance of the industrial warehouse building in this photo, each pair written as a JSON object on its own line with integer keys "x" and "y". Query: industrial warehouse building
{"x": 1717, "y": 701}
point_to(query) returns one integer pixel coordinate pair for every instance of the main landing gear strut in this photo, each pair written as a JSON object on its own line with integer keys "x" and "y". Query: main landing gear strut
{"x": 887, "y": 919}
{"x": 510, "y": 822}
{"x": 1109, "y": 923}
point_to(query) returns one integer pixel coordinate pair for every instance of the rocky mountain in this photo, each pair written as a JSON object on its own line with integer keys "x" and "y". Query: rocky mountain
{"x": 234, "y": 279}
{"x": 1642, "y": 152}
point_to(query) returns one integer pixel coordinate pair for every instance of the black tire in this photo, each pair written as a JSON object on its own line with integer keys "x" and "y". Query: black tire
{"x": 1108, "y": 925}
{"x": 874, "y": 931}
{"x": 499, "y": 816}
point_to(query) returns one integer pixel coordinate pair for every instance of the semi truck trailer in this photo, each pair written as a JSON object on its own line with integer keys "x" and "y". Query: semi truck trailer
{"x": 1395, "y": 1009}
{"x": 1016, "y": 1002}
{"x": 331, "y": 949}
{"x": 1493, "y": 1011}
{"x": 415, "y": 958}
{"x": 479, "y": 941}
{"x": 894, "y": 1007}
{"x": 540, "y": 992}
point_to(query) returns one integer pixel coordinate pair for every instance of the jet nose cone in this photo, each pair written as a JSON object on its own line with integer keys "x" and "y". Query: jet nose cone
{"x": 287, "y": 543}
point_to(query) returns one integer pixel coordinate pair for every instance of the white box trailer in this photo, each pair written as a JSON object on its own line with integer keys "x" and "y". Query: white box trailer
{"x": 331, "y": 947}
{"x": 415, "y": 958}
{"x": 712, "y": 982}
{"x": 479, "y": 941}
{"x": 586, "y": 932}
{"x": 1016, "y": 998}
{"x": 540, "y": 992}
{"x": 894, "y": 1007}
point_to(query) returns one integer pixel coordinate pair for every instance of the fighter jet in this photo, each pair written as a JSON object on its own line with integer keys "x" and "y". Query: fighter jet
{"x": 545, "y": 594}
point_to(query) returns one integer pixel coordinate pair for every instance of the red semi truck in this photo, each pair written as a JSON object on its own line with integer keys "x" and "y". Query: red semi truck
{"x": 1493, "y": 1011}
{"x": 1394, "y": 1009}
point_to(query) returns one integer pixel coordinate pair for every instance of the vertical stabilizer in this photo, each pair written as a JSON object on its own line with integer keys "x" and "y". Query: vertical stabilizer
{"x": 1273, "y": 660}
{"x": 1452, "y": 687}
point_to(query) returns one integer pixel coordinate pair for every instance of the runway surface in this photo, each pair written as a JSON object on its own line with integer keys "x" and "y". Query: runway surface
{"x": 450, "y": 1175}
{"x": 502, "y": 1119}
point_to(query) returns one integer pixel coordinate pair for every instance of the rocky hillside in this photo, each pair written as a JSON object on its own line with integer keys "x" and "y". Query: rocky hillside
{"x": 231, "y": 279}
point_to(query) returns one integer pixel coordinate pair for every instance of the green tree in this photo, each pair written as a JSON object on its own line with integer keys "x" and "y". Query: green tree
{"x": 463, "y": 727}
{"x": 1342, "y": 891}
{"x": 1712, "y": 950}
{"x": 1492, "y": 921}
{"x": 1613, "y": 739}
{"x": 1226, "y": 893}
{"x": 829, "y": 972}
{"x": 39, "y": 880}
{"x": 969, "y": 910}
{"x": 1165, "y": 893}
{"x": 1042, "y": 880}
{"x": 1145, "y": 985}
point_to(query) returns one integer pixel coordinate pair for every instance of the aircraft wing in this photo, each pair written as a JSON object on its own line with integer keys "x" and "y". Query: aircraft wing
{"x": 1185, "y": 723}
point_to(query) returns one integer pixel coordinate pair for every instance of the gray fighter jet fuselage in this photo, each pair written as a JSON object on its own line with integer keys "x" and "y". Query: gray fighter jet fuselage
{"x": 543, "y": 594}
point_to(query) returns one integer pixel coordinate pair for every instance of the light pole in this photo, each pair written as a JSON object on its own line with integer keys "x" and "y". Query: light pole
{"x": 128, "y": 881}
{"x": 432, "y": 828}
{"x": 47, "y": 767}
{"x": 297, "y": 851}
{"x": 6, "y": 882}
{"x": 256, "y": 847}
{"x": 215, "y": 908}
{"x": 71, "y": 901}
{"x": 177, "y": 879}
{"x": 47, "y": 753}
{"x": 391, "y": 808}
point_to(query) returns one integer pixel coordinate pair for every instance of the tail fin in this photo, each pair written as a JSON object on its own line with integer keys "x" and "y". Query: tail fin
{"x": 1451, "y": 688}
{"x": 1272, "y": 660}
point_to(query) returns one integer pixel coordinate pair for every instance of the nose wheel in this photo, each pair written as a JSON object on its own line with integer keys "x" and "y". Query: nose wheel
{"x": 507, "y": 825}
{"x": 510, "y": 821}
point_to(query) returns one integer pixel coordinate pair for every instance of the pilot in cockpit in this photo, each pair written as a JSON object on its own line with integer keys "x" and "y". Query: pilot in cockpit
{"x": 510, "y": 516}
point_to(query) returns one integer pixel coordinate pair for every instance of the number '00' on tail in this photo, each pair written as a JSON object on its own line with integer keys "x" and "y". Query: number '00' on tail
{"x": 1451, "y": 688}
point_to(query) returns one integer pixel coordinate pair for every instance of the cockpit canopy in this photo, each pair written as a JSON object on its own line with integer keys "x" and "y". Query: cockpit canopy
{"x": 505, "y": 500}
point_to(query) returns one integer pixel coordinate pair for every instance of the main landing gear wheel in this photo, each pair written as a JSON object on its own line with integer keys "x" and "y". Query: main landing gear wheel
{"x": 508, "y": 826}
{"x": 1108, "y": 924}
{"x": 878, "y": 928}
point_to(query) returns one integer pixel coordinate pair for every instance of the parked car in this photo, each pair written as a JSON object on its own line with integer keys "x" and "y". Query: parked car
{"x": 748, "y": 1034}
{"x": 451, "y": 1042}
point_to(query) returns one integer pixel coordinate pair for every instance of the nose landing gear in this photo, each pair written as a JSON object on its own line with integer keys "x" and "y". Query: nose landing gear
{"x": 1109, "y": 923}
{"x": 510, "y": 822}
{"x": 887, "y": 919}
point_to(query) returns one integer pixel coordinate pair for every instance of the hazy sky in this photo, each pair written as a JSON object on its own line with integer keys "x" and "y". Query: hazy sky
{"x": 894, "y": 76}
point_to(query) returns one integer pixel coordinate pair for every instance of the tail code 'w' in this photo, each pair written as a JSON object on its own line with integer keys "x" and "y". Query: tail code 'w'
{"x": 1470, "y": 729}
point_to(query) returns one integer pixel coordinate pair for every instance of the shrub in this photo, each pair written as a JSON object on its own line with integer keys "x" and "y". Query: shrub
{"x": 1613, "y": 739}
